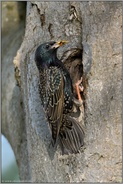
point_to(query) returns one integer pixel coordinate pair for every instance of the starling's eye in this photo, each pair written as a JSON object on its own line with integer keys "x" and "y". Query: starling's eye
{"x": 47, "y": 46}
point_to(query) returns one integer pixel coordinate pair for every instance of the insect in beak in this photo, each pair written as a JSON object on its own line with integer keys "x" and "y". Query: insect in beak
{"x": 59, "y": 44}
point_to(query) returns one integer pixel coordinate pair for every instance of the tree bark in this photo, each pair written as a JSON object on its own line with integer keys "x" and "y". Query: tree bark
{"x": 95, "y": 28}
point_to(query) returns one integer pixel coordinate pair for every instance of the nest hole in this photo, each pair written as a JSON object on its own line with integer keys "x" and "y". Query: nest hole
{"x": 72, "y": 60}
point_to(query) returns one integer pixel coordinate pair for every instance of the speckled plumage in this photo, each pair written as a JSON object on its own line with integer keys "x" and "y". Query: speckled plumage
{"x": 56, "y": 94}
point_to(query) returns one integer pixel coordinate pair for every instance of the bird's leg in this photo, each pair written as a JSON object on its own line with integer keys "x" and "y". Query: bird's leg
{"x": 78, "y": 89}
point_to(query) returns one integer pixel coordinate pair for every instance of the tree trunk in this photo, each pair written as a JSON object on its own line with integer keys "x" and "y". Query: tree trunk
{"x": 94, "y": 28}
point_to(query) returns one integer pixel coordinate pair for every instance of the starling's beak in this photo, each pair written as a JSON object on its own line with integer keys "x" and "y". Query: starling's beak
{"x": 59, "y": 43}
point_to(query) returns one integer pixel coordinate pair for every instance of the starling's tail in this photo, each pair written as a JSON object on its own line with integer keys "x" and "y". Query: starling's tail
{"x": 71, "y": 136}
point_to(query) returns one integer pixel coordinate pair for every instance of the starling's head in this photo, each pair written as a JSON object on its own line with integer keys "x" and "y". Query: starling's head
{"x": 46, "y": 53}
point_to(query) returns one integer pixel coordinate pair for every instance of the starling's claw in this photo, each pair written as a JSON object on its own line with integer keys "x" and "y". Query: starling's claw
{"x": 78, "y": 89}
{"x": 81, "y": 88}
{"x": 79, "y": 81}
{"x": 77, "y": 102}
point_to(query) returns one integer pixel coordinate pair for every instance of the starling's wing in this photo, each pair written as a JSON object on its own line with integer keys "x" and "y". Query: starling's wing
{"x": 54, "y": 99}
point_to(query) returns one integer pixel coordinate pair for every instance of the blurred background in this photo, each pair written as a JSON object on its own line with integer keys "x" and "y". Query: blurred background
{"x": 9, "y": 165}
{"x": 13, "y": 18}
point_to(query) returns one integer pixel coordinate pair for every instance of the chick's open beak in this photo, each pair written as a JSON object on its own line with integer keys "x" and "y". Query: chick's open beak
{"x": 59, "y": 43}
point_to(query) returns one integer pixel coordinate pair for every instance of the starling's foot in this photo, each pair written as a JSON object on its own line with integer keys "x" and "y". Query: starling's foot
{"x": 78, "y": 89}
{"x": 77, "y": 102}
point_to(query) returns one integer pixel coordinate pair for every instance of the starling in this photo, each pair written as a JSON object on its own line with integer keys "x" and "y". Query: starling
{"x": 56, "y": 93}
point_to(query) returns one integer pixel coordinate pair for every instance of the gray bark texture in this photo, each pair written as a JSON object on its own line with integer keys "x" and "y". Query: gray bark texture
{"x": 95, "y": 28}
